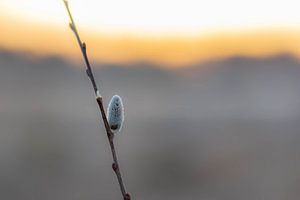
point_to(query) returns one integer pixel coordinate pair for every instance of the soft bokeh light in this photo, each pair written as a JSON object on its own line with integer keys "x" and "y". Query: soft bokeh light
{"x": 169, "y": 33}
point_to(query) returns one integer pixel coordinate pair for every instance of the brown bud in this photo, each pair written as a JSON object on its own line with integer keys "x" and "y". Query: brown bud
{"x": 114, "y": 166}
{"x": 84, "y": 45}
{"x": 127, "y": 196}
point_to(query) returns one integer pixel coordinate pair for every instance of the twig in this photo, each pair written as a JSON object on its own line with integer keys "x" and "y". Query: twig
{"x": 99, "y": 100}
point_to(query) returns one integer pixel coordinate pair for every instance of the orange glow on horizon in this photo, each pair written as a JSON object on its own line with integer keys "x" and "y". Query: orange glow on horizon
{"x": 167, "y": 51}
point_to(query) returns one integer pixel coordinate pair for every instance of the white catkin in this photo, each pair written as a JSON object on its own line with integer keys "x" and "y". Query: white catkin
{"x": 115, "y": 113}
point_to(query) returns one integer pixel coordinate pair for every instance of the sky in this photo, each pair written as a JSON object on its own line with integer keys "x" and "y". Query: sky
{"x": 167, "y": 32}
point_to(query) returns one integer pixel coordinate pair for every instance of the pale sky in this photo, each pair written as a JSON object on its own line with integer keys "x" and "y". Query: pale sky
{"x": 167, "y": 32}
{"x": 161, "y": 16}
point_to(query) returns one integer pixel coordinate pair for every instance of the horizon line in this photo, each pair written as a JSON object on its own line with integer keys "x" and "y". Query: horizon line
{"x": 171, "y": 51}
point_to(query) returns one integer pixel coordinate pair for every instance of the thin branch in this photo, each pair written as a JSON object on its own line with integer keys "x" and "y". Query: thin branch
{"x": 82, "y": 46}
{"x": 99, "y": 100}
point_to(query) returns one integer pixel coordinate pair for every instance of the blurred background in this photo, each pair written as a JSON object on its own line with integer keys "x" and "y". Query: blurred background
{"x": 211, "y": 91}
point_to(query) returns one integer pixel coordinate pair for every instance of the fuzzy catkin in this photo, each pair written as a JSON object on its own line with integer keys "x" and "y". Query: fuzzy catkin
{"x": 115, "y": 113}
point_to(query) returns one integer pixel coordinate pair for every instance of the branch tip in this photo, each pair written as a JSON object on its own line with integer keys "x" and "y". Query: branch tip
{"x": 65, "y": 2}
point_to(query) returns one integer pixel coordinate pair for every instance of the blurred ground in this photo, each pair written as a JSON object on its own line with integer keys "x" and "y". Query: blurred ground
{"x": 223, "y": 130}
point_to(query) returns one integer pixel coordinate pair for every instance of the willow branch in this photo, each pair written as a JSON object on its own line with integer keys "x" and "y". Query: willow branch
{"x": 99, "y": 100}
